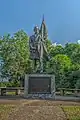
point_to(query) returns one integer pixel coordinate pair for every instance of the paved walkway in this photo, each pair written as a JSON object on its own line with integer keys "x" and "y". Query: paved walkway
{"x": 67, "y": 98}
{"x": 63, "y": 98}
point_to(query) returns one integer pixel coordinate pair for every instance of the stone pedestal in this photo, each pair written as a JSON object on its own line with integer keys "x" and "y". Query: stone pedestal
{"x": 39, "y": 86}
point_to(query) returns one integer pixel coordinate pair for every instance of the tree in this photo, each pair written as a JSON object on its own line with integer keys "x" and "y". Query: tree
{"x": 60, "y": 65}
{"x": 73, "y": 51}
{"x": 75, "y": 79}
{"x": 15, "y": 55}
{"x": 54, "y": 50}
{"x": 15, "y": 60}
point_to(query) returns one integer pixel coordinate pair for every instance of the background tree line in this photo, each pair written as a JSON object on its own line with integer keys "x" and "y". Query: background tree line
{"x": 15, "y": 61}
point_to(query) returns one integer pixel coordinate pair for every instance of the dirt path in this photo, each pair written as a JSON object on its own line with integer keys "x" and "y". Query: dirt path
{"x": 37, "y": 110}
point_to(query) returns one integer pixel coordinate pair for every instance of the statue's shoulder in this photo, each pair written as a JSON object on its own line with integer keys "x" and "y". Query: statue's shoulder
{"x": 32, "y": 36}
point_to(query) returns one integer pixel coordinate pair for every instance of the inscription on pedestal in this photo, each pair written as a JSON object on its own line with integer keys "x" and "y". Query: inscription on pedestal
{"x": 39, "y": 85}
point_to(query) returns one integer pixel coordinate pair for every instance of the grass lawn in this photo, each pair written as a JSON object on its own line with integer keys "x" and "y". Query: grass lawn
{"x": 5, "y": 109}
{"x": 10, "y": 93}
{"x": 72, "y": 112}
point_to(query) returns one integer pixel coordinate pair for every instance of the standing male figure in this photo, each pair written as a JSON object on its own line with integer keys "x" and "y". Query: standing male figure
{"x": 37, "y": 43}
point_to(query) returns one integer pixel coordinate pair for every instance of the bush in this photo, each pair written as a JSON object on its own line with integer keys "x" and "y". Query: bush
{"x": 14, "y": 83}
{"x": 2, "y": 84}
{"x": 77, "y": 84}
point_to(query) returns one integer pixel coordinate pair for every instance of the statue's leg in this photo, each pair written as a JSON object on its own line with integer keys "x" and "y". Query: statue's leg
{"x": 41, "y": 59}
{"x": 35, "y": 65}
{"x": 32, "y": 65}
{"x": 41, "y": 65}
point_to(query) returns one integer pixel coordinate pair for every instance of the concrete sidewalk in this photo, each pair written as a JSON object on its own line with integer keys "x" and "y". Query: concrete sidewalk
{"x": 63, "y": 98}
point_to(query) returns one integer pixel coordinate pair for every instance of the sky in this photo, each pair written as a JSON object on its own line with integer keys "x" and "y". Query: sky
{"x": 62, "y": 18}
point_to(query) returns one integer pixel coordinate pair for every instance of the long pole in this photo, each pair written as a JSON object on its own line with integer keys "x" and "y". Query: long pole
{"x": 41, "y": 57}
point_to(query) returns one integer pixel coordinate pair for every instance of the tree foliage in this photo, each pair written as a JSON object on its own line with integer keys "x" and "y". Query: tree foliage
{"x": 15, "y": 55}
{"x": 60, "y": 65}
{"x": 15, "y": 60}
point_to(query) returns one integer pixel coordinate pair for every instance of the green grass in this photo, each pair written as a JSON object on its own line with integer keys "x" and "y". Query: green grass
{"x": 10, "y": 93}
{"x": 72, "y": 112}
{"x": 5, "y": 110}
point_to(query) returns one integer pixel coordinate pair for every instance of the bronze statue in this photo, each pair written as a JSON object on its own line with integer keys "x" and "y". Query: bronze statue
{"x": 37, "y": 44}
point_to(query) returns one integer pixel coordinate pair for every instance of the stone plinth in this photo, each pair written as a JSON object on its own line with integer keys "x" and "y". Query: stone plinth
{"x": 39, "y": 86}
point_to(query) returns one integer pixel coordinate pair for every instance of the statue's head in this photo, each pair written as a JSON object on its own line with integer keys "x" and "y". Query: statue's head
{"x": 36, "y": 29}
